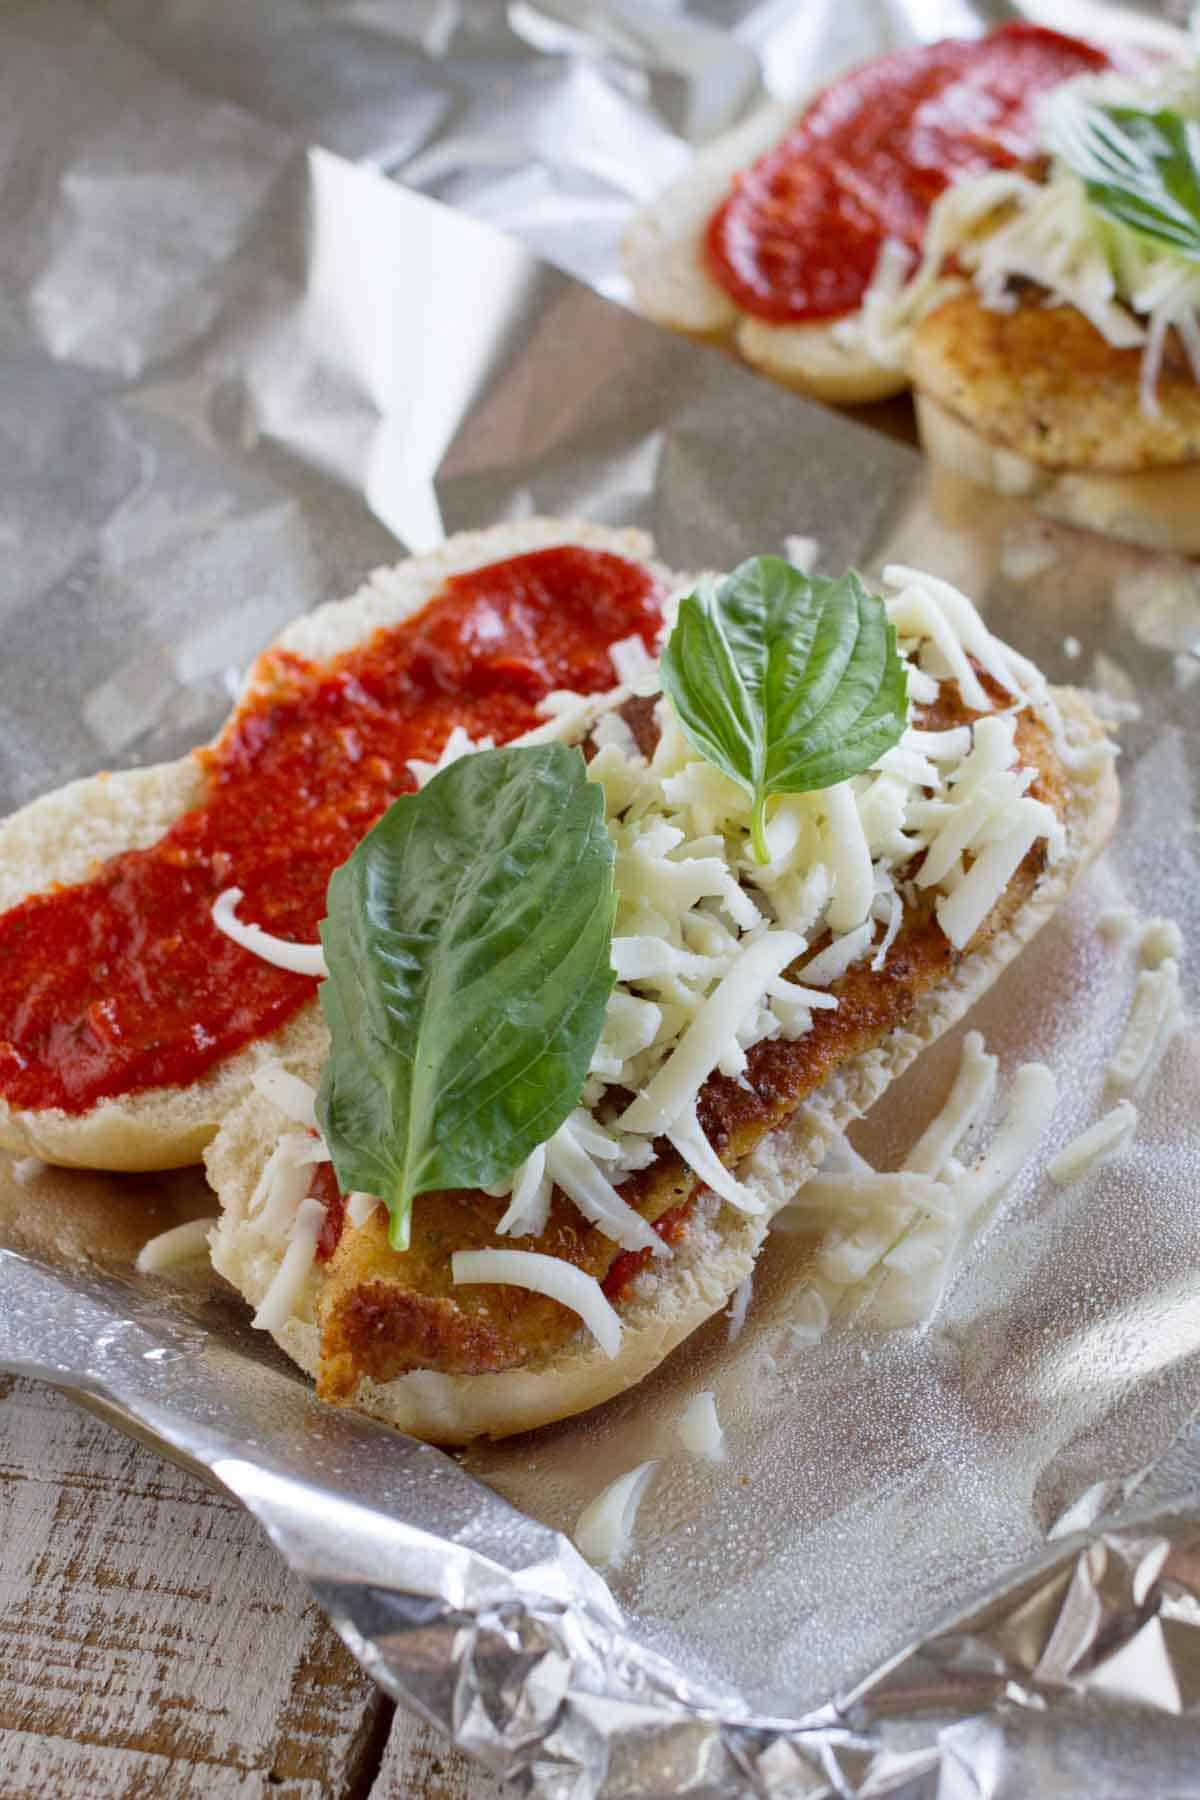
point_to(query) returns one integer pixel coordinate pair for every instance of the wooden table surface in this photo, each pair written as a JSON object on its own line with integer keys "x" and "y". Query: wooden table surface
{"x": 153, "y": 1645}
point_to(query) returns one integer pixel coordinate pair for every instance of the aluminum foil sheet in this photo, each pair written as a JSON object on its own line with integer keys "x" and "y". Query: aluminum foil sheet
{"x": 241, "y": 362}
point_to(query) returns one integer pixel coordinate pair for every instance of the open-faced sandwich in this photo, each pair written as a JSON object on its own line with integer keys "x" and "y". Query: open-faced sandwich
{"x": 1052, "y": 329}
{"x": 771, "y": 238}
{"x": 631, "y": 893}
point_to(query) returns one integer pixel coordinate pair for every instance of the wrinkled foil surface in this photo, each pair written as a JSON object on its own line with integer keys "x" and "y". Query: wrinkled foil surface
{"x": 242, "y": 361}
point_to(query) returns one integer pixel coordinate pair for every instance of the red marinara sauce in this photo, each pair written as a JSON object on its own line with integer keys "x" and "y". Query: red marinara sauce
{"x": 671, "y": 1228}
{"x": 798, "y": 236}
{"x": 122, "y": 982}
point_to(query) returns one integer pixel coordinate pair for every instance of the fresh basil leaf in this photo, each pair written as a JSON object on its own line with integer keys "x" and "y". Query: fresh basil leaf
{"x": 787, "y": 682}
{"x": 1141, "y": 168}
{"x": 468, "y": 942}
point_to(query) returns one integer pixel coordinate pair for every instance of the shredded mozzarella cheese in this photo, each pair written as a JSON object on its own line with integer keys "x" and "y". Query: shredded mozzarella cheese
{"x": 687, "y": 1135}
{"x": 738, "y": 1308}
{"x": 27, "y": 1169}
{"x": 968, "y": 1101}
{"x": 1153, "y": 1017}
{"x": 295, "y": 1099}
{"x": 568, "y": 1163}
{"x": 694, "y": 1058}
{"x": 280, "y": 1188}
{"x": 181, "y": 1244}
{"x": 1095, "y": 1145}
{"x": 831, "y": 964}
{"x": 360, "y": 1207}
{"x": 282, "y": 1297}
{"x": 301, "y": 959}
{"x": 549, "y": 1275}
{"x": 1160, "y": 939}
{"x": 699, "y": 1429}
{"x": 604, "y": 1529}
{"x": 1002, "y": 228}
{"x": 1030, "y": 1102}
{"x": 704, "y": 932}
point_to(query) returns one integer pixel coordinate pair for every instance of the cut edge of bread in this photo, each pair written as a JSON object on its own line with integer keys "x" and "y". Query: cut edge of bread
{"x": 663, "y": 250}
{"x": 1156, "y": 508}
{"x": 65, "y": 835}
{"x": 716, "y": 1255}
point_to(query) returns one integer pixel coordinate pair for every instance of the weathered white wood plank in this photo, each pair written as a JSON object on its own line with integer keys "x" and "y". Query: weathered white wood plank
{"x": 418, "y": 1761}
{"x": 151, "y": 1642}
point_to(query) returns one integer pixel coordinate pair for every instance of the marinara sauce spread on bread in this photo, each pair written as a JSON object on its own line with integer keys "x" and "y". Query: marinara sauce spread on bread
{"x": 773, "y": 235}
{"x": 122, "y": 982}
{"x": 799, "y": 235}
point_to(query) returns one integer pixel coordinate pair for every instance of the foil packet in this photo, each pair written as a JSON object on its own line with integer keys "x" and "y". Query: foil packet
{"x": 244, "y": 362}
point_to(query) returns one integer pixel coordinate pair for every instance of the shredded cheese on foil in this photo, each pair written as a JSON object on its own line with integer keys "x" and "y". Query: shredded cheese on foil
{"x": 1152, "y": 1020}
{"x": 1095, "y": 1145}
{"x": 181, "y": 1244}
{"x": 604, "y": 1530}
{"x": 699, "y": 1429}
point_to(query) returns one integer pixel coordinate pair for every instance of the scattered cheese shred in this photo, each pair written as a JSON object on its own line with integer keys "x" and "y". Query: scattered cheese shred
{"x": 687, "y": 1135}
{"x": 828, "y": 1199}
{"x": 830, "y": 964}
{"x": 699, "y": 1050}
{"x": 301, "y": 959}
{"x": 27, "y": 1169}
{"x": 282, "y": 1297}
{"x": 359, "y": 1208}
{"x": 604, "y": 1529}
{"x": 967, "y": 1102}
{"x": 961, "y": 913}
{"x": 549, "y": 1275}
{"x": 576, "y": 1173}
{"x": 1160, "y": 939}
{"x": 850, "y": 857}
{"x": 699, "y": 1429}
{"x": 181, "y": 1244}
{"x": 738, "y": 1307}
{"x": 1031, "y": 1100}
{"x": 295, "y": 1099}
{"x": 1153, "y": 1016}
{"x": 1096, "y": 1144}
{"x": 280, "y": 1188}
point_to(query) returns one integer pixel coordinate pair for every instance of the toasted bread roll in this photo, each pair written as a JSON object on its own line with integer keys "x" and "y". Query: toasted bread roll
{"x": 664, "y": 258}
{"x": 63, "y": 836}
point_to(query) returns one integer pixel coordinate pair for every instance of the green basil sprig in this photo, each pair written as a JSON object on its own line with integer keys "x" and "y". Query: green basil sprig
{"x": 1139, "y": 167}
{"x": 468, "y": 943}
{"x": 787, "y": 682}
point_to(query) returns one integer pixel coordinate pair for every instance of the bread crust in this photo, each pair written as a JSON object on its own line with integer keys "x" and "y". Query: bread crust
{"x": 664, "y": 259}
{"x": 719, "y": 1249}
{"x": 1158, "y": 508}
{"x": 65, "y": 834}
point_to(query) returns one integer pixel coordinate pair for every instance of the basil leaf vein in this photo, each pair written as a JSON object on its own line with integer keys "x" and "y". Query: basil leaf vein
{"x": 1139, "y": 167}
{"x": 468, "y": 943}
{"x": 786, "y": 682}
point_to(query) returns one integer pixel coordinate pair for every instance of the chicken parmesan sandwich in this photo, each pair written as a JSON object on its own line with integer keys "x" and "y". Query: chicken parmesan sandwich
{"x": 598, "y": 990}
{"x": 1052, "y": 329}
{"x": 770, "y": 238}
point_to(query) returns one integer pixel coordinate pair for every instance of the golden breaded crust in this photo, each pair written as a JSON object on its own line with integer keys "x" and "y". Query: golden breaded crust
{"x": 1043, "y": 382}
